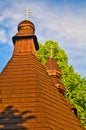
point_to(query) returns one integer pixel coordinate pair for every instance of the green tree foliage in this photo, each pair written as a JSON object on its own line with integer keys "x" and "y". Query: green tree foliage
{"x": 76, "y": 85}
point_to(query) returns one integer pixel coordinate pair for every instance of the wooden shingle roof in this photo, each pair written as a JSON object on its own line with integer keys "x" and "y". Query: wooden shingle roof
{"x": 29, "y": 100}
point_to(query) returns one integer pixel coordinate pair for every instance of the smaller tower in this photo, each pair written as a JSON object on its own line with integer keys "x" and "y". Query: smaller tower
{"x": 55, "y": 73}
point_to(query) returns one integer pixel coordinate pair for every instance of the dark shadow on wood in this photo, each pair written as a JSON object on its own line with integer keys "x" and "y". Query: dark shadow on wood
{"x": 12, "y": 119}
{"x": 74, "y": 111}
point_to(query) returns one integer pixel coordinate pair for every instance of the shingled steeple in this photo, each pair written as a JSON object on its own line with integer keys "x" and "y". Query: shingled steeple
{"x": 29, "y": 100}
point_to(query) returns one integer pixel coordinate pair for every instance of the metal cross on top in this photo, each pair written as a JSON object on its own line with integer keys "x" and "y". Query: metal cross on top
{"x": 27, "y": 13}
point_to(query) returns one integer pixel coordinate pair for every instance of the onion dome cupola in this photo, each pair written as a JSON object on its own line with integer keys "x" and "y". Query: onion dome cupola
{"x": 25, "y": 40}
{"x": 26, "y": 27}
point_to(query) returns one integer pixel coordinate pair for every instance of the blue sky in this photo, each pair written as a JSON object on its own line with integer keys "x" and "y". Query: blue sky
{"x": 63, "y": 21}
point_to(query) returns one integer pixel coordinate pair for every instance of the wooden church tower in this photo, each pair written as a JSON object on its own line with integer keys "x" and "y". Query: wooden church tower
{"x": 31, "y": 95}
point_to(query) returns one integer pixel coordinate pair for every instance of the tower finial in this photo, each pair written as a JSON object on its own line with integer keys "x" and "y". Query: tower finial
{"x": 51, "y": 50}
{"x": 27, "y": 13}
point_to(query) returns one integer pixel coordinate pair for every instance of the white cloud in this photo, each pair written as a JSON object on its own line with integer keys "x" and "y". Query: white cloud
{"x": 3, "y": 37}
